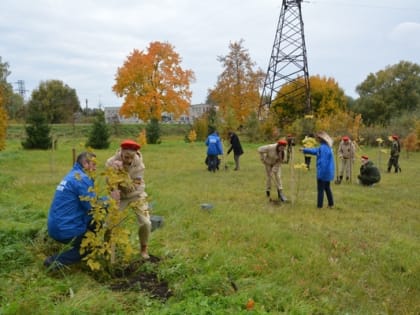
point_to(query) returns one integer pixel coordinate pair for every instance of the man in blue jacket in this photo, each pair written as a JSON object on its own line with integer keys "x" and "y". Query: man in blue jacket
{"x": 69, "y": 218}
{"x": 214, "y": 149}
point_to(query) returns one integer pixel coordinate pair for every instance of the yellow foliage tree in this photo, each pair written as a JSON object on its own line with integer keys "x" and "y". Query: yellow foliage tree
{"x": 237, "y": 88}
{"x": 192, "y": 135}
{"x": 153, "y": 82}
{"x": 327, "y": 99}
{"x": 142, "y": 139}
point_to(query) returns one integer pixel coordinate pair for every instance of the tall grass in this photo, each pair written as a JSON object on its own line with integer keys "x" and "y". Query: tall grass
{"x": 361, "y": 257}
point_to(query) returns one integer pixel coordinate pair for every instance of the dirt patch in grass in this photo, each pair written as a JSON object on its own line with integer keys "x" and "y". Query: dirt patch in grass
{"x": 132, "y": 278}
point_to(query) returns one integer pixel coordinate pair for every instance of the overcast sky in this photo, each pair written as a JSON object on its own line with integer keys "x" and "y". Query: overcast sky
{"x": 83, "y": 42}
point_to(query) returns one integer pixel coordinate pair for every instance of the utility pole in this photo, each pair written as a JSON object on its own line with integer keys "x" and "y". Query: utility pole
{"x": 21, "y": 88}
{"x": 288, "y": 63}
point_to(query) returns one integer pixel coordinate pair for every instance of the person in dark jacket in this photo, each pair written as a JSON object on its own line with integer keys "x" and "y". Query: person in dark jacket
{"x": 68, "y": 217}
{"x": 214, "y": 149}
{"x": 235, "y": 145}
{"x": 324, "y": 167}
{"x": 394, "y": 154}
{"x": 369, "y": 173}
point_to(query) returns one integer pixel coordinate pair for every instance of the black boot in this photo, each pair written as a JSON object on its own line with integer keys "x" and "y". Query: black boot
{"x": 267, "y": 193}
{"x": 281, "y": 196}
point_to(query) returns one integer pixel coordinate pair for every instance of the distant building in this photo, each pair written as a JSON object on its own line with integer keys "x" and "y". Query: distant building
{"x": 195, "y": 111}
{"x": 112, "y": 116}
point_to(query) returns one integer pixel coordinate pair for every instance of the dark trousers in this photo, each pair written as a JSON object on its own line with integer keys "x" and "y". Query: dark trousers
{"x": 324, "y": 186}
{"x": 212, "y": 162}
{"x": 393, "y": 162}
{"x": 308, "y": 161}
{"x": 72, "y": 254}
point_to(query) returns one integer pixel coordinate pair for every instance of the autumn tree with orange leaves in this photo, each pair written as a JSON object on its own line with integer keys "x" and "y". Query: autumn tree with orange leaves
{"x": 237, "y": 88}
{"x": 153, "y": 82}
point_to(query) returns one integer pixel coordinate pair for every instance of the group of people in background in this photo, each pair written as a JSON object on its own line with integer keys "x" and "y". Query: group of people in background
{"x": 69, "y": 217}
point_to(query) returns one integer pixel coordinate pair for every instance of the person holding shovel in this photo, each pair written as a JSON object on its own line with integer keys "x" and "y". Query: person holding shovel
{"x": 235, "y": 145}
{"x": 346, "y": 152}
{"x": 129, "y": 161}
{"x": 272, "y": 156}
{"x": 324, "y": 167}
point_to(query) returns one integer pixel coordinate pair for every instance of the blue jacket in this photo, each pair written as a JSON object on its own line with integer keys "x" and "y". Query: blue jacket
{"x": 214, "y": 145}
{"x": 69, "y": 216}
{"x": 324, "y": 161}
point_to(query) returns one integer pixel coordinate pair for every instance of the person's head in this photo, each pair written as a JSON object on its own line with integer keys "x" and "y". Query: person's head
{"x": 281, "y": 145}
{"x": 129, "y": 150}
{"x": 345, "y": 139}
{"x": 394, "y": 137}
{"x": 87, "y": 160}
{"x": 364, "y": 159}
{"x": 323, "y": 137}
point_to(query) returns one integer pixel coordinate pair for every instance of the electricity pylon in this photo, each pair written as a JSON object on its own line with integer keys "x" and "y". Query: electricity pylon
{"x": 288, "y": 63}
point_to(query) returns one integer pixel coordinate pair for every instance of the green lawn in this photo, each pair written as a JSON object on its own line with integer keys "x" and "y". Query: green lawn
{"x": 362, "y": 257}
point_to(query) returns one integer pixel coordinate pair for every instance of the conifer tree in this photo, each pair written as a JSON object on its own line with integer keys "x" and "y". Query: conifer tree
{"x": 38, "y": 132}
{"x": 99, "y": 135}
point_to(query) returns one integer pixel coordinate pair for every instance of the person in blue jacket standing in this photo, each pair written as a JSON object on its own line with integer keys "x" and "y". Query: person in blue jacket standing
{"x": 69, "y": 218}
{"x": 324, "y": 167}
{"x": 214, "y": 149}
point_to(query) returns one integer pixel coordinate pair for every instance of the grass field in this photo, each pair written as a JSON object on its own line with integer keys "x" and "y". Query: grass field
{"x": 361, "y": 257}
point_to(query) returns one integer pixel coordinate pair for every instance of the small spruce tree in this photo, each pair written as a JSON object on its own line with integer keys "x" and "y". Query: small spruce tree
{"x": 153, "y": 131}
{"x": 99, "y": 134}
{"x": 37, "y": 132}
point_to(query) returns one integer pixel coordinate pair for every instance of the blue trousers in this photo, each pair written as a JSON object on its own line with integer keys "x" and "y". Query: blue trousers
{"x": 324, "y": 186}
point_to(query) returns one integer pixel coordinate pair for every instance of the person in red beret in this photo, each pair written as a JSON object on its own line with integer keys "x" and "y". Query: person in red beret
{"x": 272, "y": 156}
{"x": 346, "y": 153}
{"x": 369, "y": 173}
{"x": 395, "y": 154}
{"x": 129, "y": 161}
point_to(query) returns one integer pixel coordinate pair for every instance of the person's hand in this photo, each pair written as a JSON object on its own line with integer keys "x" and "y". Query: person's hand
{"x": 115, "y": 194}
{"x": 118, "y": 165}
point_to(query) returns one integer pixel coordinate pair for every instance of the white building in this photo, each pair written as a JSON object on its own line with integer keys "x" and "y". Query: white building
{"x": 195, "y": 111}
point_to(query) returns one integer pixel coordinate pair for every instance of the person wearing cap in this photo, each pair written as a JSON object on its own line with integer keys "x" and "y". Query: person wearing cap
{"x": 272, "y": 156}
{"x": 69, "y": 217}
{"x": 236, "y": 146}
{"x": 395, "y": 154}
{"x": 346, "y": 152}
{"x": 129, "y": 160}
{"x": 214, "y": 149}
{"x": 309, "y": 142}
{"x": 369, "y": 173}
{"x": 324, "y": 167}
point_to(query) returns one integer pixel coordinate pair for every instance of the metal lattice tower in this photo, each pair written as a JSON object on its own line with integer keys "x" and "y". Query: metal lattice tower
{"x": 21, "y": 88}
{"x": 288, "y": 63}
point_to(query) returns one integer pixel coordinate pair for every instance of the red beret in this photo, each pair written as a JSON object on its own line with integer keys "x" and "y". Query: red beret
{"x": 345, "y": 138}
{"x": 282, "y": 142}
{"x": 130, "y": 145}
{"x": 395, "y": 137}
{"x": 365, "y": 157}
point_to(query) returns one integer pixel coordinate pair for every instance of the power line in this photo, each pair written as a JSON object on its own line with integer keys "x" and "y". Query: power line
{"x": 361, "y": 5}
